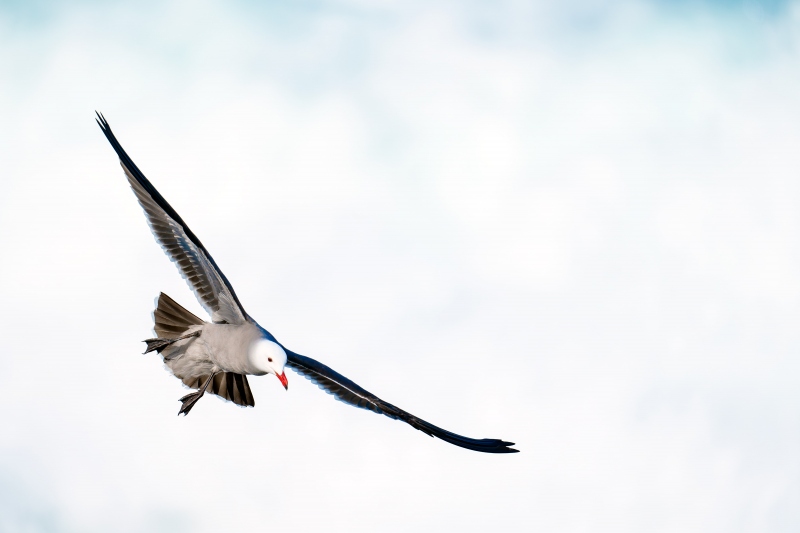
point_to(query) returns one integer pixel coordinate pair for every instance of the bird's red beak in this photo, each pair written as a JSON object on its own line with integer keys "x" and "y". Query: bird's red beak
{"x": 284, "y": 381}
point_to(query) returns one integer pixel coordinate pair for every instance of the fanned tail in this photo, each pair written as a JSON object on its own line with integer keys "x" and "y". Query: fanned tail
{"x": 233, "y": 387}
{"x": 171, "y": 319}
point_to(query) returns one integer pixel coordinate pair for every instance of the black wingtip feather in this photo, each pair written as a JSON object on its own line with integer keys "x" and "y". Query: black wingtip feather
{"x": 478, "y": 445}
{"x": 101, "y": 120}
{"x": 347, "y": 391}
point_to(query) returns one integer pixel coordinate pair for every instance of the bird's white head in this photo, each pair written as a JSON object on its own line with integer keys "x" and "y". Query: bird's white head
{"x": 267, "y": 357}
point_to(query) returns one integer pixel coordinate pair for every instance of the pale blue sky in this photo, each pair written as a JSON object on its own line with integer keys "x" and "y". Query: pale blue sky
{"x": 573, "y": 225}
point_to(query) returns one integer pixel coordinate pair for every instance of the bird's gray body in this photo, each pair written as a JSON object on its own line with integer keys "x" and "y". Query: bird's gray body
{"x": 217, "y": 348}
{"x": 212, "y": 356}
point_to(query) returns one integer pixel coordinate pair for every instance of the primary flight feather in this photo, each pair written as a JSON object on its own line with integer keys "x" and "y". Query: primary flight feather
{"x": 218, "y": 356}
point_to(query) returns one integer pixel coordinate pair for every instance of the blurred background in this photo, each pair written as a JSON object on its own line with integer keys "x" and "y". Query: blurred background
{"x": 574, "y": 225}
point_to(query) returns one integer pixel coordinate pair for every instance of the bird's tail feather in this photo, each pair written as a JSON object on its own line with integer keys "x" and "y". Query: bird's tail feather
{"x": 172, "y": 320}
{"x": 232, "y": 387}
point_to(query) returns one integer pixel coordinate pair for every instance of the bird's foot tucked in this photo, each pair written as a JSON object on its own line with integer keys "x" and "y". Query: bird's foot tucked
{"x": 158, "y": 344}
{"x": 189, "y": 400}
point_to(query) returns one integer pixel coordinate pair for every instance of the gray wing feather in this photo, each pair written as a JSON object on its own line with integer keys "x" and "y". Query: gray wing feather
{"x": 194, "y": 266}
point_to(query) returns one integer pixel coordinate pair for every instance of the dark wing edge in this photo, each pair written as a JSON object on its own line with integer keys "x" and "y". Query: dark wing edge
{"x": 348, "y": 392}
{"x": 161, "y": 202}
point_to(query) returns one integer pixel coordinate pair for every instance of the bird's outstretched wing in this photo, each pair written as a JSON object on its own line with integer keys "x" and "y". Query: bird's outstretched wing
{"x": 196, "y": 265}
{"x": 348, "y": 392}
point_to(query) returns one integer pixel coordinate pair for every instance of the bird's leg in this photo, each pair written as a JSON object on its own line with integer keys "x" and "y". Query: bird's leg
{"x": 190, "y": 399}
{"x": 158, "y": 344}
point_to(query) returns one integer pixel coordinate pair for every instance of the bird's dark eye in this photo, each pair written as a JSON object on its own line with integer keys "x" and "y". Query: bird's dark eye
{"x": 269, "y": 359}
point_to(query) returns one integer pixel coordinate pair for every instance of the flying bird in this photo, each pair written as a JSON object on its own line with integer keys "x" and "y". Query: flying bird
{"x": 218, "y": 356}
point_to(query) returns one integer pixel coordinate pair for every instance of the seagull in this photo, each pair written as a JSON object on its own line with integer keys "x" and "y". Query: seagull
{"x": 217, "y": 356}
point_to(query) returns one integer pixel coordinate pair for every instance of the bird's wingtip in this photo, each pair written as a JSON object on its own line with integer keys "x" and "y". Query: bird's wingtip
{"x": 505, "y": 447}
{"x": 101, "y": 120}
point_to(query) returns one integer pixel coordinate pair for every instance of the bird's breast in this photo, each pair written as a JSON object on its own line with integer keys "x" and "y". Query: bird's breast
{"x": 228, "y": 345}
